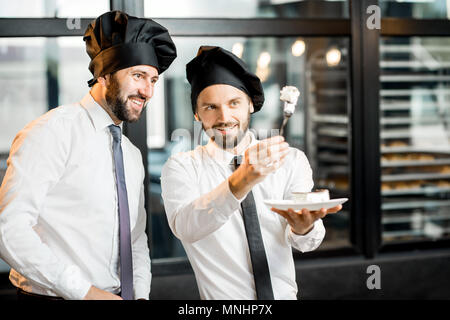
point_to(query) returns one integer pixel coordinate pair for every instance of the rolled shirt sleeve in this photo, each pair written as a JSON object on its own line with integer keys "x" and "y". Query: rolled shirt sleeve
{"x": 309, "y": 241}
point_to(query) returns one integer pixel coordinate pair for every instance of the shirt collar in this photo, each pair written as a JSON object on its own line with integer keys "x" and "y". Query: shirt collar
{"x": 225, "y": 157}
{"x": 100, "y": 118}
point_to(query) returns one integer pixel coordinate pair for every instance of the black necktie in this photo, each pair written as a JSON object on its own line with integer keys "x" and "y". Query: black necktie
{"x": 261, "y": 274}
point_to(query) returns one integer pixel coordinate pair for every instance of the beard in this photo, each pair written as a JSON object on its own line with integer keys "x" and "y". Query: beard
{"x": 118, "y": 105}
{"x": 228, "y": 141}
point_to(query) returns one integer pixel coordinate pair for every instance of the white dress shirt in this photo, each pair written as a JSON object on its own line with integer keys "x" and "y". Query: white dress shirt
{"x": 205, "y": 215}
{"x": 59, "y": 218}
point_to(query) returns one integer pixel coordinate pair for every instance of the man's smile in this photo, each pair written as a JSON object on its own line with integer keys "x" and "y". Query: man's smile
{"x": 225, "y": 129}
{"x": 137, "y": 103}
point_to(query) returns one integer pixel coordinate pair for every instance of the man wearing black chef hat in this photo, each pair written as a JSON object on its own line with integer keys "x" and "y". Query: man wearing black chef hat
{"x": 213, "y": 195}
{"x": 72, "y": 217}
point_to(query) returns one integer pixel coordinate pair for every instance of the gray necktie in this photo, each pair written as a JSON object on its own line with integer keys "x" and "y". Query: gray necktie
{"x": 261, "y": 274}
{"x": 126, "y": 263}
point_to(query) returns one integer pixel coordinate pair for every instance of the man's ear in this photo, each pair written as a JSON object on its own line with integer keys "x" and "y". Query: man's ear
{"x": 103, "y": 80}
{"x": 252, "y": 109}
{"x": 196, "y": 117}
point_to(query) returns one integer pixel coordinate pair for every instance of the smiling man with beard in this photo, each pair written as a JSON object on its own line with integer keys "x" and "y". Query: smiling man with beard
{"x": 213, "y": 195}
{"x": 72, "y": 216}
{"x": 118, "y": 103}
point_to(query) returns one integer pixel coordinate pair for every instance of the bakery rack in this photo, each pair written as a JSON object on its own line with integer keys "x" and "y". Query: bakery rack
{"x": 414, "y": 136}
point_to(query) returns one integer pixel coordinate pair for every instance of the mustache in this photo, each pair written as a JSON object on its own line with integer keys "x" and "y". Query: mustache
{"x": 138, "y": 96}
{"x": 225, "y": 124}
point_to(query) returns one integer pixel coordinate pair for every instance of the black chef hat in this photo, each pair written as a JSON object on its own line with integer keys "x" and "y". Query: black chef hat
{"x": 116, "y": 41}
{"x": 215, "y": 65}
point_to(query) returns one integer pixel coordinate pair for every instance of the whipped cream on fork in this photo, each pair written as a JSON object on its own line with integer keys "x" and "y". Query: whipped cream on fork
{"x": 289, "y": 95}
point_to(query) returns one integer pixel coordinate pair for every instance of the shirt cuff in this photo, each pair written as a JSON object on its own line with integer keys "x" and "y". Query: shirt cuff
{"x": 72, "y": 285}
{"x": 309, "y": 241}
{"x": 141, "y": 291}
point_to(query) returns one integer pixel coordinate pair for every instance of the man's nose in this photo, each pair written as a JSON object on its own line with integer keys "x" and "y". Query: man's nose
{"x": 224, "y": 114}
{"x": 147, "y": 89}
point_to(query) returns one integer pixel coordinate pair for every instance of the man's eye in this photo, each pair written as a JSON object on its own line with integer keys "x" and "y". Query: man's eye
{"x": 137, "y": 75}
{"x": 210, "y": 107}
{"x": 234, "y": 103}
{"x": 154, "y": 81}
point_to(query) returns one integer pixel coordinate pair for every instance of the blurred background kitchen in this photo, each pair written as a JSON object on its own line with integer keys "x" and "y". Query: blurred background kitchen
{"x": 373, "y": 119}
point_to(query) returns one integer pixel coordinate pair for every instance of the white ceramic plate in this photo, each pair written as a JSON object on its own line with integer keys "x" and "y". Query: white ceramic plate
{"x": 311, "y": 206}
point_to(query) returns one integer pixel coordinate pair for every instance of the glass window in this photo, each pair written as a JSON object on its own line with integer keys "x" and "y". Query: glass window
{"x": 418, "y": 9}
{"x": 52, "y": 8}
{"x": 246, "y": 9}
{"x": 415, "y": 138}
{"x": 23, "y": 79}
{"x": 36, "y": 74}
{"x": 317, "y": 66}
